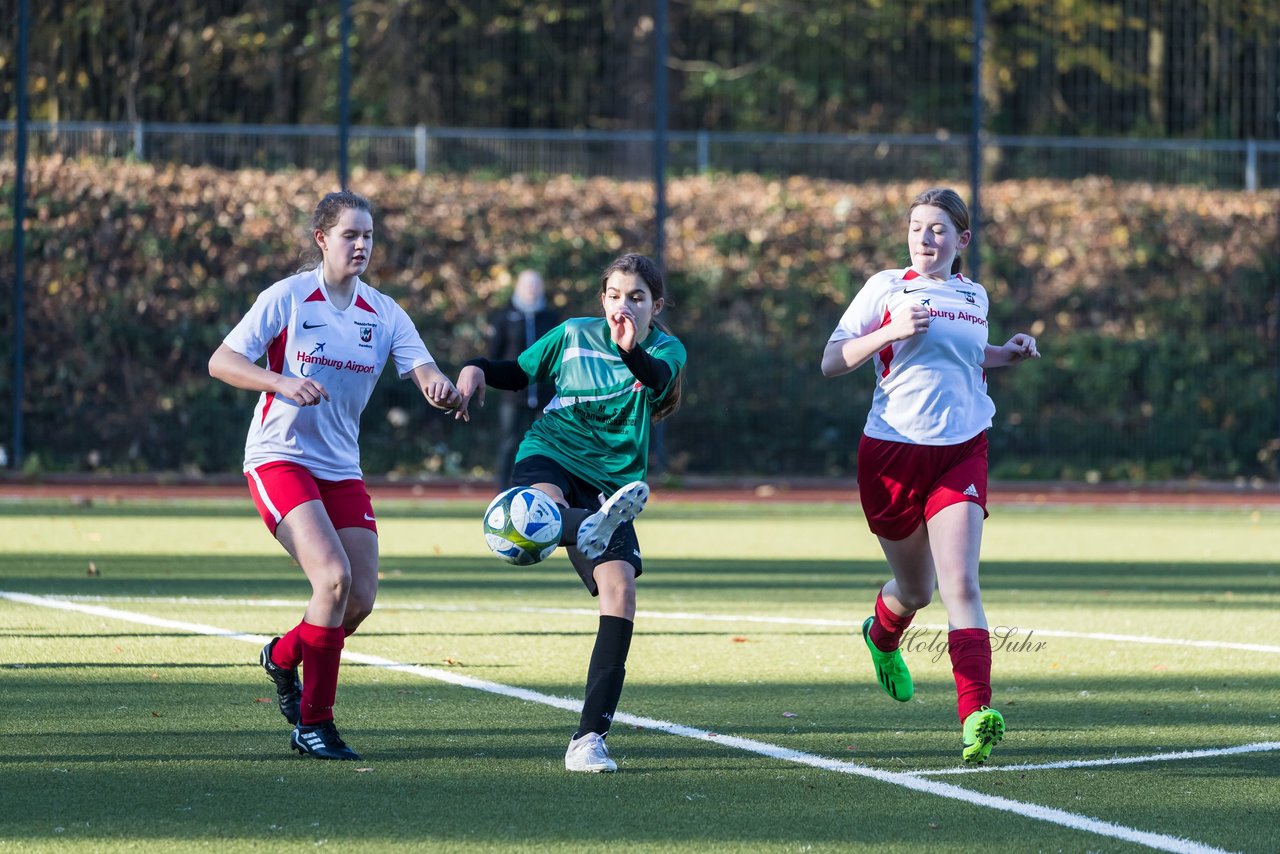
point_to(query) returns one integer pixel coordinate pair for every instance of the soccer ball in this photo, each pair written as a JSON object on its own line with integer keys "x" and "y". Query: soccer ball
{"x": 522, "y": 525}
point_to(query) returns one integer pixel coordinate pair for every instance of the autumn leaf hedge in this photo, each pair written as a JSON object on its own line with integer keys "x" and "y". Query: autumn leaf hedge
{"x": 1155, "y": 307}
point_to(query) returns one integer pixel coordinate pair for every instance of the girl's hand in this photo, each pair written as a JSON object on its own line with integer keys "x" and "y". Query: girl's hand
{"x": 470, "y": 385}
{"x": 905, "y": 324}
{"x": 1019, "y": 347}
{"x": 622, "y": 329}
{"x": 302, "y": 391}
{"x": 442, "y": 395}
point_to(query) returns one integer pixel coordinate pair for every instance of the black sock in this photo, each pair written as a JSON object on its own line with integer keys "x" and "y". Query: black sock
{"x": 605, "y": 675}
{"x": 570, "y": 519}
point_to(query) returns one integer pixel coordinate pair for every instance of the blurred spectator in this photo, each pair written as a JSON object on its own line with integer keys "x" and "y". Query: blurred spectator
{"x": 514, "y": 328}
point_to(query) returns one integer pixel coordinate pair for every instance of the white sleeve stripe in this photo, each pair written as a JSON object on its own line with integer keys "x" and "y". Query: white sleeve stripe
{"x": 559, "y": 402}
{"x": 588, "y": 353}
{"x": 266, "y": 499}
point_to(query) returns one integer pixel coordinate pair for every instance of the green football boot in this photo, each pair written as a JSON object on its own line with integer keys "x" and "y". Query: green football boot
{"x": 891, "y": 670}
{"x": 983, "y": 730}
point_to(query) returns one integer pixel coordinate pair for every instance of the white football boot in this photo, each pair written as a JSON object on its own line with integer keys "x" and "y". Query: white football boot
{"x": 596, "y": 530}
{"x": 588, "y": 753}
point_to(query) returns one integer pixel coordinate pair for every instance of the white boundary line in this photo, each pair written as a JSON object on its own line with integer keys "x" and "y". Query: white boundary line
{"x": 1265, "y": 746}
{"x": 1051, "y": 815}
{"x": 678, "y": 615}
{"x": 1256, "y": 747}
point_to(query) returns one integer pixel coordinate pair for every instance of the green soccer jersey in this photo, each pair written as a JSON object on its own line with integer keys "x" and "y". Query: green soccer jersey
{"x": 597, "y": 425}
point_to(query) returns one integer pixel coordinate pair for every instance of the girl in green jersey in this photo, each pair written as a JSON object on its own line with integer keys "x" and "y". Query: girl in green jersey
{"x": 614, "y": 376}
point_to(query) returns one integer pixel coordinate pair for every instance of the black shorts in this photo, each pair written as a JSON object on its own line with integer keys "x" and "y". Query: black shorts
{"x": 624, "y": 546}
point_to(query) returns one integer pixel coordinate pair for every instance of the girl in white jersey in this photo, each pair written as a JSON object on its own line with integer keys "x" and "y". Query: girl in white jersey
{"x": 922, "y": 460}
{"x": 326, "y": 336}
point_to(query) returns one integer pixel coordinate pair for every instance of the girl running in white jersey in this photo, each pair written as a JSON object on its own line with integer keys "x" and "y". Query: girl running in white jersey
{"x": 613, "y": 376}
{"x": 922, "y": 459}
{"x": 327, "y": 336}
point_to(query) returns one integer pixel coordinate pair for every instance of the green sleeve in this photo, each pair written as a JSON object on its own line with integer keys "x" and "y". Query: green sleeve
{"x": 542, "y": 358}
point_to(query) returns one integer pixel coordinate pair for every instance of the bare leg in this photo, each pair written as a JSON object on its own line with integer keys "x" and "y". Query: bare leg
{"x": 955, "y": 538}
{"x": 911, "y": 562}
{"x": 616, "y": 581}
{"x": 361, "y": 546}
{"x": 308, "y": 536}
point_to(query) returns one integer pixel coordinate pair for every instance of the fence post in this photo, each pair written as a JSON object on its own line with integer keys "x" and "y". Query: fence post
{"x": 975, "y": 141}
{"x": 344, "y": 97}
{"x": 420, "y": 148}
{"x": 18, "y": 382}
{"x": 139, "y": 148}
{"x": 704, "y": 152}
{"x": 660, "y": 132}
{"x": 1251, "y": 166}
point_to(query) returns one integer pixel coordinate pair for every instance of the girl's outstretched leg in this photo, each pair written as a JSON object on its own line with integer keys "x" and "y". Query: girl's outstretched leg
{"x": 608, "y": 668}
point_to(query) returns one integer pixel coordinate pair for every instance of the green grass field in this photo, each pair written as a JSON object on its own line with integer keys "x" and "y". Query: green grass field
{"x": 1141, "y": 684}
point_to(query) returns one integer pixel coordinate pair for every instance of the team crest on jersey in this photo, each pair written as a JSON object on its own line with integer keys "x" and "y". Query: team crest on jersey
{"x": 366, "y": 334}
{"x": 968, "y": 296}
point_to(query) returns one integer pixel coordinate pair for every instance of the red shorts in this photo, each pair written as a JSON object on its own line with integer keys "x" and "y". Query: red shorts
{"x": 902, "y": 485}
{"x": 281, "y": 486}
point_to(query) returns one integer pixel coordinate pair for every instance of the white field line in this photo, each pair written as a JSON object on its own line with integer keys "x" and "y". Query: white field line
{"x": 682, "y": 615}
{"x": 1256, "y": 747}
{"x": 1076, "y": 763}
{"x": 1051, "y": 815}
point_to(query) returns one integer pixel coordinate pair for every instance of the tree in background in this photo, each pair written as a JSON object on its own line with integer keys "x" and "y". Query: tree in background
{"x": 1192, "y": 68}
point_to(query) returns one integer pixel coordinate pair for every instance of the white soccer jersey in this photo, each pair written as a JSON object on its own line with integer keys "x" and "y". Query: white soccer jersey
{"x": 930, "y": 388}
{"x": 302, "y": 334}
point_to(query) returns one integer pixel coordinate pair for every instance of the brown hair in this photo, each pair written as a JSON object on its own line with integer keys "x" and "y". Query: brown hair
{"x": 325, "y": 217}
{"x": 638, "y": 265}
{"x": 948, "y": 200}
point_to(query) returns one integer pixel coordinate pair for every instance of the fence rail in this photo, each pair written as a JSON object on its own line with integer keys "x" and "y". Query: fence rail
{"x": 1225, "y": 164}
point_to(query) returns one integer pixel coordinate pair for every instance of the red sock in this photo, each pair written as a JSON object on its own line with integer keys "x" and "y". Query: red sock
{"x": 887, "y": 628}
{"x": 321, "y": 653}
{"x": 971, "y": 665}
{"x": 287, "y": 652}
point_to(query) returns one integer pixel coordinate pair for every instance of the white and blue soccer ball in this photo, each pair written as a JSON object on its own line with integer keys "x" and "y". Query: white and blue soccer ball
{"x": 522, "y": 525}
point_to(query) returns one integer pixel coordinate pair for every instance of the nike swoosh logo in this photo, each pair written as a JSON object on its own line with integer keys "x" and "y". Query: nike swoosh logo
{"x": 904, "y": 290}
{"x": 306, "y": 325}
{"x": 369, "y": 518}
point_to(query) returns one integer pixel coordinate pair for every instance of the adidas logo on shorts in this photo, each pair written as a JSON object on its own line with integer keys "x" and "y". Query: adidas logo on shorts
{"x": 972, "y": 491}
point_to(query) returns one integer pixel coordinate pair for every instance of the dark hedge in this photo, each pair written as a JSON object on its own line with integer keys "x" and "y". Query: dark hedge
{"x": 1156, "y": 309}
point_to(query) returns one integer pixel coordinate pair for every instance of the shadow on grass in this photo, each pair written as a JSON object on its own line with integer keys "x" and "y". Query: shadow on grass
{"x": 130, "y": 761}
{"x": 1050, "y": 713}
